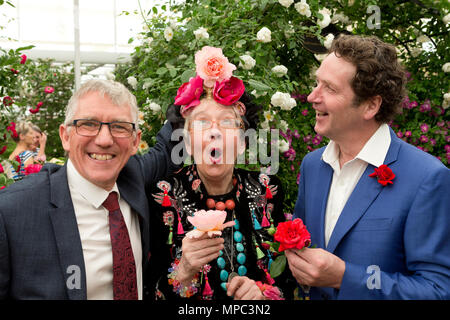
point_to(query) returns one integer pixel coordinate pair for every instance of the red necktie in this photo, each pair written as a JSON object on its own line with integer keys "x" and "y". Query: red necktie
{"x": 124, "y": 267}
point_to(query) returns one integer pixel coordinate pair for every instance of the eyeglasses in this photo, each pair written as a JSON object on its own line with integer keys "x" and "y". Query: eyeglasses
{"x": 198, "y": 124}
{"x": 91, "y": 128}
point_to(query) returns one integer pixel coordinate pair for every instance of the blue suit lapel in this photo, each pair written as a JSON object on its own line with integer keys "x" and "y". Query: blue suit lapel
{"x": 365, "y": 192}
{"x": 320, "y": 197}
{"x": 65, "y": 228}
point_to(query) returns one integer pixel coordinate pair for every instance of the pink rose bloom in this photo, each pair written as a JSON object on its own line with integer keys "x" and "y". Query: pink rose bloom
{"x": 229, "y": 91}
{"x": 213, "y": 66}
{"x": 211, "y": 222}
{"x": 49, "y": 89}
{"x": 189, "y": 94}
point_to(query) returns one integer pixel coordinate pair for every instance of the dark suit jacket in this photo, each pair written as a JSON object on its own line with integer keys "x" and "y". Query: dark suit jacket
{"x": 394, "y": 239}
{"x": 41, "y": 255}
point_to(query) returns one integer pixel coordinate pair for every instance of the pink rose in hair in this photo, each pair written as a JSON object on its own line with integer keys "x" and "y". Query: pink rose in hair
{"x": 213, "y": 66}
{"x": 229, "y": 91}
{"x": 189, "y": 93}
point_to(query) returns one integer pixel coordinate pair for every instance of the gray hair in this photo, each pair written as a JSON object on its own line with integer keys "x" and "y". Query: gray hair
{"x": 116, "y": 91}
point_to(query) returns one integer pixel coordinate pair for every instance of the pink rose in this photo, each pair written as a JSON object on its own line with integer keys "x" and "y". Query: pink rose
{"x": 211, "y": 222}
{"x": 49, "y": 89}
{"x": 189, "y": 93}
{"x": 228, "y": 91}
{"x": 213, "y": 66}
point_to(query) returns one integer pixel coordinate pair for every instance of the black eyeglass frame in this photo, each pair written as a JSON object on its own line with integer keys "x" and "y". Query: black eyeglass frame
{"x": 74, "y": 123}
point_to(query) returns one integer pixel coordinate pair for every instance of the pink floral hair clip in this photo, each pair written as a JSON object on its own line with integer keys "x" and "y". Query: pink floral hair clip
{"x": 214, "y": 75}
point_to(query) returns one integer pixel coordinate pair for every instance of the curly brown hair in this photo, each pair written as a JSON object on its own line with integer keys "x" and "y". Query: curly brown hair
{"x": 378, "y": 72}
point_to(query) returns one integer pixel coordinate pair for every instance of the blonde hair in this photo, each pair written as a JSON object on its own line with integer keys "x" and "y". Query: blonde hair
{"x": 22, "y": 127}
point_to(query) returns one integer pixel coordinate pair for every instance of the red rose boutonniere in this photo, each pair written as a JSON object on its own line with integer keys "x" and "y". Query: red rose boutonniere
{"x": 383, "y": 174}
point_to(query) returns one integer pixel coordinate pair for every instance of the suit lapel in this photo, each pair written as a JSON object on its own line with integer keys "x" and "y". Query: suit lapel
{"x": 366, "y": 191}
{"x": 322, "y": 182}
{"x": 67, "y": 236}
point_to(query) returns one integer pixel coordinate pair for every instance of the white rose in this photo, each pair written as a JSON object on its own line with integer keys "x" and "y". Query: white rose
{"x": 446, "y": 67}
{"x": 286, "y": 3}
{"x": 268, "y": 116}
{"x": 283, "y": 100}
{"x": 283, "y": 145}
{"x": 264, "y": 35}
{"x": 155, "y": 107}
{"x": 280, "y": 70}
{"x": 446, "y": 102}
{"x": 278, "y": 99}
{"x": 447, "y": 96}
{"x": 289, "y": 103}
{"x": 328, "y": 40}
{"x": 446, "y": 19}
{"x": 340, "y": 17}
{"x": 303, "y": 8}
{"x": 132, "y": 82}
{"x": 325, "y": 21}
{"x": 201, "y": 33}
{"x": 249, "y": 62}
{"x": 168, "y": 33}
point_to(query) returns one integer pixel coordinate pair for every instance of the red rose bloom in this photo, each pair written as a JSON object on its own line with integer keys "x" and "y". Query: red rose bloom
{"x": 32, "y": 168}
{"x": 228, "y": 91}
{"x": 383, "y": 174}
{"x": 189, "y": 93}
{"x": 7, "y": 101}
{"x": 24, "y": 59}
{"x": 292, "y": 234}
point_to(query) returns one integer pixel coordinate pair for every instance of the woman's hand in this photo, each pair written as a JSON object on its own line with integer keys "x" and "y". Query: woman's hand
{"x": 197, "y": 253}
{"x": 244, "y": 288}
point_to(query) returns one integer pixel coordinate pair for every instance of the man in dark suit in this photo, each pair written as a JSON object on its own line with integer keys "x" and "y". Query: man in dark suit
{"x": 60, "y": 237}
{"x": 376, "y": 207}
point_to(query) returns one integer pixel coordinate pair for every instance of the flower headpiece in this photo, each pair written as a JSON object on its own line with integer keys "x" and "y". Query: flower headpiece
{"x": 213, "y": 75}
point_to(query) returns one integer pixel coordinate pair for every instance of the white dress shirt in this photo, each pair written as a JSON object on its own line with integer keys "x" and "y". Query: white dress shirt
{"x": 346, "y": 178}
{"x": 93, "y": 226}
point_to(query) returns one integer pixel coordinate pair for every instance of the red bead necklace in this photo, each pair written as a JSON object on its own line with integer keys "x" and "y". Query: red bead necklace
{"x": 220, "y": 205}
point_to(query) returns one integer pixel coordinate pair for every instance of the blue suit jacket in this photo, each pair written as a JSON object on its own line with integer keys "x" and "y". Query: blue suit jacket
{"x": 395, "y": 240}
{"x": 40, "y": 247}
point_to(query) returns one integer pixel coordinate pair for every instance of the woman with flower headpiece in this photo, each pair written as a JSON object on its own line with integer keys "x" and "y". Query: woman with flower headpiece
{"x": 213, "y": 223}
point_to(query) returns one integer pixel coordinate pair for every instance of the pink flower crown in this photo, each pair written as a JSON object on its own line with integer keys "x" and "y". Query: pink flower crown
{"x": 214, "y": 75}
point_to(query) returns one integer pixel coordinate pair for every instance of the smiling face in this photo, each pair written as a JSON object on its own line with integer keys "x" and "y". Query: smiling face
{"x": 333, "y": 99}
{"x": 99, "y": 159}
{"x": 214, "y": 149}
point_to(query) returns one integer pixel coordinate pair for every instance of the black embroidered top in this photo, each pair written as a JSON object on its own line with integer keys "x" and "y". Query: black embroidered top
{"x": 257, "y": 212}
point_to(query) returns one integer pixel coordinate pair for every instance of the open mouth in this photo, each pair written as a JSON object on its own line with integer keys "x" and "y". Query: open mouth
{"x": 321, "y": 114}
{"x": 215, "y": 155}
{"x": 101, "y": 157}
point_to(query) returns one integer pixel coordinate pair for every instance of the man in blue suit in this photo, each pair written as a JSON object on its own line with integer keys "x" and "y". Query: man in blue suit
{"x": 55, "y": 240}
{"x": 377, "y": 208}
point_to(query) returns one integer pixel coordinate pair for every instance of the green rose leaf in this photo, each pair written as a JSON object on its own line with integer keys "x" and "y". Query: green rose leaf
{"x": 277, "y": 267}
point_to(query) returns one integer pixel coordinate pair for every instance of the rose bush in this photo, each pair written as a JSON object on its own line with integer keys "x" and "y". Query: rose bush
{"x": 262, "y": 37}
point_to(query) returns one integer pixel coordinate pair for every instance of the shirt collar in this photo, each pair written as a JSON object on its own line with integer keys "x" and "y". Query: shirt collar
{"x": 89, "y": 191}
{"x": 373, "y": 152}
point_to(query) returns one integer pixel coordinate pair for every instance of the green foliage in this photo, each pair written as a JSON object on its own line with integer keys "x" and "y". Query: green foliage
{"x": 165, "y": 60}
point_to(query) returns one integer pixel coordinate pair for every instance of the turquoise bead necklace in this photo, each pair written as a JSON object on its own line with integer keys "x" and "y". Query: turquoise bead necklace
{"x": 240, "y": 258}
